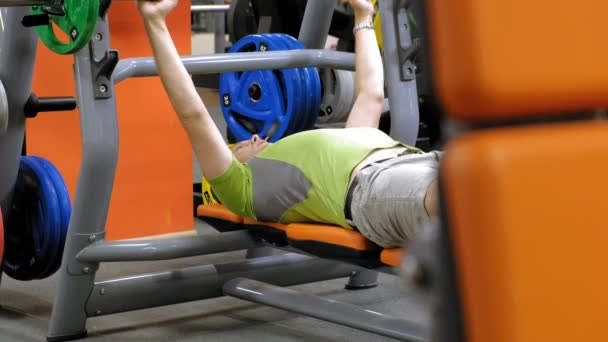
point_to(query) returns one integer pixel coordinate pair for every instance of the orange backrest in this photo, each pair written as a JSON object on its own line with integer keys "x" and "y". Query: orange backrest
{"x": 527, "y": 216}
{"x": 392, "y": 256}
{"x": 504, "y": 58}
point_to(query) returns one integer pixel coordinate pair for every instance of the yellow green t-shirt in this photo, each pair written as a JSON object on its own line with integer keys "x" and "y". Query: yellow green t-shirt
{"x": 301, "y": 178}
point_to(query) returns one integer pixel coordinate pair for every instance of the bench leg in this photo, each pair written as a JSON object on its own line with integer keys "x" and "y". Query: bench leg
{"x": 361, "y": 280}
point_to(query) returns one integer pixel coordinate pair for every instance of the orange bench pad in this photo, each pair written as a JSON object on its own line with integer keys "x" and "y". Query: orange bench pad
{"x": 527, "y": 211}
{"x": 333, "y": 235}
{"x": 392, "y": 256}
{"x": 218, "y": 211}
{"x": 274, "y": 225}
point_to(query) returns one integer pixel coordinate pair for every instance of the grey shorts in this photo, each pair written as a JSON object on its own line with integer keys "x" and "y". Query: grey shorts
{"x": 387, "y": 204}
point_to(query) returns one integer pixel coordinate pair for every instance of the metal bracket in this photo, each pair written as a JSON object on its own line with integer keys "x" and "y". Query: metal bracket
{"x": 408, "y": 47}
{"x": 82, "y": 241}
{"x": 102, "y": 71}
{"x": 55, "y": 8}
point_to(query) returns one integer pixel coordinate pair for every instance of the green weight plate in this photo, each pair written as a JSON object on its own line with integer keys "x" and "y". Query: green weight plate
{"x": 78, "y": 24}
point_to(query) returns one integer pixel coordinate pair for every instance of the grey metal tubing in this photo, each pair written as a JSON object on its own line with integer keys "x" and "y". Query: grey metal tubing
{"x": 17, "y": 58}
{"x": 220, "y": 29}
{"x": 245, "y": 61}
{"x": 265, "y": 251}
{"x": 400, "y": 75}
{"x": 210, "y": 8}
{"x": 203, "y": 282}
{"x": 11, "y": 3}
{"x": 99, "y": 132}
{"x": 316, "y": 23}
{"x": 150, "y": 250}
{"x": 324, "y": 309}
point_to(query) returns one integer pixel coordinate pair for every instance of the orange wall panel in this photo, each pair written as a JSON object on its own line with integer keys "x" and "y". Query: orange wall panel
{"x": 153, "y": 187}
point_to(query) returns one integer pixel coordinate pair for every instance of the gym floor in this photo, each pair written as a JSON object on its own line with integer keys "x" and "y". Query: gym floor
{"x": 25, "y": 310}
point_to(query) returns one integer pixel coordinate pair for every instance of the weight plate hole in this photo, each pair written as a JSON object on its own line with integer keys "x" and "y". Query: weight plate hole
{"x": 255, "y": 92}
{"x": 251, "y": 125}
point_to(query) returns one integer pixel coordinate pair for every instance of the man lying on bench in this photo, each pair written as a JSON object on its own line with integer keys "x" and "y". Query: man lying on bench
{"x": 355, "y": 178}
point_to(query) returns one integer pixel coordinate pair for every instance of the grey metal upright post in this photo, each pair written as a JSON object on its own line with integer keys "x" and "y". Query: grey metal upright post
{"x": 316, "y": 23}
{"x": 400, "y": 71}
{"x": 17, "y": 57}
{"x": 99, "y": 132}
{"x": 220, "y": 29}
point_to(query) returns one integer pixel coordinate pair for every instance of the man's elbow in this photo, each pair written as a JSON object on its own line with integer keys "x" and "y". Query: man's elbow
{"x": 374, "y": 97}
{"x": 190, "y": 114}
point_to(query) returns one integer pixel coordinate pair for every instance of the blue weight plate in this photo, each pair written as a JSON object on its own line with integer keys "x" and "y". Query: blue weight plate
{"x": 288, "y": 78}
{"x": 305, "y": 83}
{"x": 246, "y": 116}
{"x": 54, "y": 218}
{"x": 317, "y": 94}
{"x": 275, "y": 42}
{"x": 314, "y": 88}
{"x": 258, "y": 102}
{"x": 65, "y": 210}
{"x": 32, "y": 230}
{"x": 305, "y": 117}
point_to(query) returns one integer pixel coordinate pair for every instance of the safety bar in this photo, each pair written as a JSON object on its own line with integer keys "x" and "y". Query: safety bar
{"x": 328, "y": 310}
{"x": 206, "y": 281}
{"x": 245, "y": 61}
{"x": 151, "y": 250}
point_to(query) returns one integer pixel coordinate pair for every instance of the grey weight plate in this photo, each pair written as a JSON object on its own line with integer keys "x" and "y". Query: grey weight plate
{"x": 338, "y": 95}
{"x": 3, "y": 110}
{"x": 348, "y": 94}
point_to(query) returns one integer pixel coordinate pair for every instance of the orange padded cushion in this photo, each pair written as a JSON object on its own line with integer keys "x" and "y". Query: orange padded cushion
{"x": 392, "y": 256}
{"x": 508, "y": 58}
{"x": 218, "y": 211}
{"x": 274, "y": 225}
{"x": 527, "y": 217}
{"x": 332, "y": 235}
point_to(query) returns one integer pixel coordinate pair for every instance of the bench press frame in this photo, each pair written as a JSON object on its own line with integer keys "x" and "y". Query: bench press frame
{"x": 96, "y": 70}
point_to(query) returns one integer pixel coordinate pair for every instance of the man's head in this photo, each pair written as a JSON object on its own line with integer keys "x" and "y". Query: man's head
{"x": 246, "y": 150}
